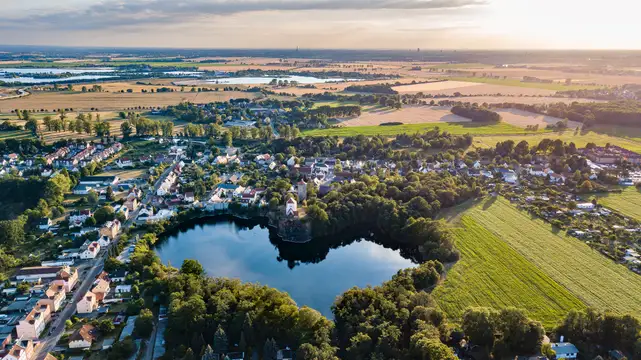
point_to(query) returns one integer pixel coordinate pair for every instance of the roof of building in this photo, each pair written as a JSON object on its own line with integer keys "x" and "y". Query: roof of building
{"x": 564, "y": 348}
{"x": 85, "y": 332}
{"x": 38, "y": 270}
{"x": 111, "y": 178}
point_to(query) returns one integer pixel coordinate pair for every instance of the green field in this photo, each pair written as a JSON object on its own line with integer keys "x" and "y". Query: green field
{"x": 627, "y": 203}
{"x": 453, "y": 128}
{"x": 588, "y": 275}
{"x": 491, "y": 273}
{"x": 519, "y": 83}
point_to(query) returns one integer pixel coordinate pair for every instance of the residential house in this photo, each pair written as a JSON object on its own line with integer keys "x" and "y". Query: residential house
{"x": 83, "y": 337}
{"x": 585, "y": 206}
{"x": 131, "y": 203}
{"x": 189, "y": 197}
{"x": 104, "y": 241}
{"x": 145, "y": 213}
{"x": 291, "y": 161}
{"x": 44, "y": 223}
{"x": 509, "y": 176}
{"x": 122, "y": 209}
{"x": 565, "y": 350}
{"x": 291, "y": 208}
{"x": 55, "y": 295}
{"x": 123, "y": 289}
{"x": 32, "y": 324}
{"x": 78, "y": 218}
{"x": 89, "y": 250}
{"x": 21, "y": 350}
{"x": 87, "y": 304}
{"x": 124, "y": 162}
{"x": 557, "y": 178}
{"x": 110, "y": 229}
{"x": 100, "y": 289}
{"x": 118, "y": 276}
{"x": 69, "y": 276}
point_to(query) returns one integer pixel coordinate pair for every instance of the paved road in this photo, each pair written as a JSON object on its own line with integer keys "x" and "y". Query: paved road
{"x": 58, "y": 326}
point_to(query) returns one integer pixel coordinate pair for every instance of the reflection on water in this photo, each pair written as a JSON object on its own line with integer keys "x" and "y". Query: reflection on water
{"x": 251, "y": 253}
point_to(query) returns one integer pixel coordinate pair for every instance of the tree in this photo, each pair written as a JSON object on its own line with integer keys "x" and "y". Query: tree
{"x": 32, "y": 125}
{"x": 106, "y": 326}
{"x": 126, "y": 129}
{"x": 92, "y": 197}
{"x": 220, "y": 341}
{"x": 104, "y": 214}
{"x": 110, "y": 193}
{"x": 228, "y": 139}
{"x": 144, "y": 324}
{"x": 209, "y": 354}
{"x": 90, "y": 222}
{"x": 193, "y": 267}
{"x": 270, "y": 350}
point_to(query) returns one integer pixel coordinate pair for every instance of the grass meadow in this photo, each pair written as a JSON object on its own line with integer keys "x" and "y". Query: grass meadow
{"x": 491, "y": 273}
{"x": 591, "y": 277}
{"x": 627, "y": 203}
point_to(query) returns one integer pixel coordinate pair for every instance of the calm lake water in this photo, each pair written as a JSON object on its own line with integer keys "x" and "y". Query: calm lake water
{"x": 266, "y": 80}
{"x": 252, "y": 253}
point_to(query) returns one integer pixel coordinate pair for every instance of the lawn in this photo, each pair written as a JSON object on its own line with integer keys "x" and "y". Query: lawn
{"x": 579, "y": 139}
{"x": 491, "y": 273}
{"x": 519, "y": 83}
{"x": 453, "y": 128}
{"x": 596, "y": 280}
{"x": 627, "y": 203}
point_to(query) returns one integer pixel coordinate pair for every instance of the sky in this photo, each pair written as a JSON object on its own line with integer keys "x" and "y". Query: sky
{"x": 329, "y": 24}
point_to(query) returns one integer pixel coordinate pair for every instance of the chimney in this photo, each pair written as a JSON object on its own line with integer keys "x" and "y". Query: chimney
{"x": 561, "y": 339}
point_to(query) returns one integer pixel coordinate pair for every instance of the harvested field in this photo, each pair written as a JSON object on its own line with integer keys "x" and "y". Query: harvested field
{"x": 492, "y": 274}
{"x": 556, "y": 86}
{"x": 114, "y": 101}
{"x": 596, "y": 280}
{"x": 580, "y": 139}
{"x": 480, "y": 89}
{"x": 523, "y": 119}
{"x": 530, "y": 100}
{"x": 127, "y": 174}
{"x": 406, "y": 115}
{"x": 433, "y": 86}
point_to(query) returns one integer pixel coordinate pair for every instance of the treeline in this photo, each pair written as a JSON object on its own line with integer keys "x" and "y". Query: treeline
{"x": 25, "y": 147}
{"x": 338, "y": 111}
{"x": 626, "y": 113}
{"x": 372, "y": 88}
{"x": 476, "y": 113}
{"x": 362, "y": 147}
{"x": 145, "y": 126}
{"x": 397, "y": 210}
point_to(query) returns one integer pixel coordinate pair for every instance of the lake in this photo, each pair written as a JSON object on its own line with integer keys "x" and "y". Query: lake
{"x": 254, "y": 253}
{"x": 261, "y": 80}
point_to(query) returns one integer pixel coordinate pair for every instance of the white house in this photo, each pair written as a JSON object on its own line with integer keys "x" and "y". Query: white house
{"x": 104, "y": 241}
{"x": 45, "y": 224}
{"x": 291, "y": 161}
{"x": 87, "y": 304}
{"x": 123, "y": 289}
{"x": 565, "y": 350}
{"x": 585, "y": 206}
{"x": 291, "y": 208}
{"x": 124, "y": 162}
{"x": 89, "y": 251}
{"x": 32, "y": 324}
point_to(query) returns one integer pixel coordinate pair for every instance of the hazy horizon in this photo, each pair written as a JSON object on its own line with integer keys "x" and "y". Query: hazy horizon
{"x": 324, "y": 24}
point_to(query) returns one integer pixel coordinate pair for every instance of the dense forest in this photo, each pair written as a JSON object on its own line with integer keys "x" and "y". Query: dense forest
{"x": 476, "y": 113}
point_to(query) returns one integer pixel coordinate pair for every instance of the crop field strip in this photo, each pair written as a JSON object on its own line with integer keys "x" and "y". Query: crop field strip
{"x": 590, "y": 276}
{"x": 627, "y": 203}
{"x": 491, "y": 273}
{"x": 453, "y": 128}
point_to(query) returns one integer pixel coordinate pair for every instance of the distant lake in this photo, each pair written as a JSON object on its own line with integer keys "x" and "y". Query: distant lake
{"x": 55, "y": 71}
{"x": 261, "y": 80}
{"x": 250, "y": 252}
{"x": 30, "y": 80}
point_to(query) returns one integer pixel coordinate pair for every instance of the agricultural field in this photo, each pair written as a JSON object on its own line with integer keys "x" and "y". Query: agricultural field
{"x": 594, "y": 279}
{"x": 627, "y": 203}
{"x": 462, "y": 86}
{"x": 518, "y": 83}
{"x": 491, "y": 273}
{"x": 406, "y": 115}
{"x": 580, "y": 139}
{"x": 524, "y": 119}
{"x": 106, "y": 101}
{"x": 454, "y": 128}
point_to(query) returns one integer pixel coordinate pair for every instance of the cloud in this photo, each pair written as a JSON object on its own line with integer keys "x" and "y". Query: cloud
{"x": 136, "y": 13}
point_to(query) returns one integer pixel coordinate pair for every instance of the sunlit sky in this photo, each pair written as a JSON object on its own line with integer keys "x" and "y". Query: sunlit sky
{"x": 372, "y": 24}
